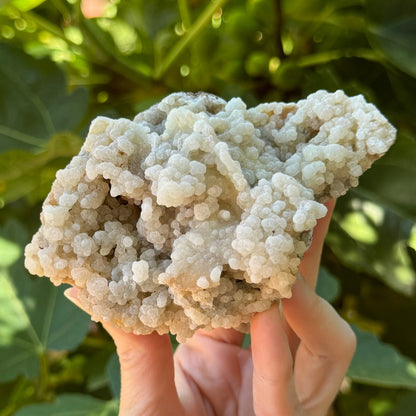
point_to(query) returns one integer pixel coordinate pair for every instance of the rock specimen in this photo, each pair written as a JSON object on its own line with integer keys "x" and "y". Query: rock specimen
{"x": 196, "y": 213}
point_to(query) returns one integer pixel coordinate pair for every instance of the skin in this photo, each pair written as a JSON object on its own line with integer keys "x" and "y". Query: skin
{"x": 298, "y": 357}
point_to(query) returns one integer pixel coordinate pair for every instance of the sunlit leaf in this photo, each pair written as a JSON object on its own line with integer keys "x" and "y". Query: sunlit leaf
{"x": 372, "y": 239}
{"x": 71, "y": 405}
{"x": 24, "y": 173}
{"x": 10, "y": 252}
{"x": 25, "y": 5}
{"x": 34, "y": 314}
{"x": 380, "y": 364}
{"x": 34, "y": 101}
{"x": 124, "y": 36}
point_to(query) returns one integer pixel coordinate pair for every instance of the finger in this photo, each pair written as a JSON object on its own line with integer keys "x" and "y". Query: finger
{"x": 314, "y": 320}
{"x": 226, "y": 336}
{"x": 311, "y": 260}
{"x": 147, "y": 375}
{"x": 309, "y": 266}
{"x": 326, "y": 349}
{"x": 273, "y": 381}
{"x": 211, "y": 367}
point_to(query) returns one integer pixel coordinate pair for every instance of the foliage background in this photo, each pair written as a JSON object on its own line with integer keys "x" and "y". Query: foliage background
{"x": 59, "y": 69}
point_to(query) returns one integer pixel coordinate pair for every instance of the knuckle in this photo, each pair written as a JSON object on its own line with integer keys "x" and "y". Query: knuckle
{"x": 347, "y": 344}
{"x": 350, "y": 340}
{"x": 127, "y": 355}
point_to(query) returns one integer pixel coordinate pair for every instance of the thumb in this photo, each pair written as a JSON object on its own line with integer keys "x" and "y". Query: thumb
{"x": 147, "y": 372}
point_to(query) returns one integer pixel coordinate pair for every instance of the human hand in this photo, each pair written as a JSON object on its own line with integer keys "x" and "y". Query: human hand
{"x": 294, "y": 367}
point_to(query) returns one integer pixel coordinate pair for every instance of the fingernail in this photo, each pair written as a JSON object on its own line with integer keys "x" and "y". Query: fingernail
{"x": 275, "y": 308}
{"x": 71, "y": 293}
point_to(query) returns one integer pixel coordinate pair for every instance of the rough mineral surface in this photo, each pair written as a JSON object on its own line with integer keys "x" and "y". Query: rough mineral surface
{"x": 196, "y": 213}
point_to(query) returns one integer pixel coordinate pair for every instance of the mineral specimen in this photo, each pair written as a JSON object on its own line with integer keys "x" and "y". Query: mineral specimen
{"x": 196, "y": 213}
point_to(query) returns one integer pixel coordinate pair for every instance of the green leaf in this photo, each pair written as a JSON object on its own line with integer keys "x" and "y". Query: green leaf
{"x": 25, "y": 5}
{"x": 372, "y": 239}
{"x": 113, "y": 371}
{"x": 152, "y": 20}
{"x": 34, "y": 101}
{"x": 10, "y": 252}
{"x": 17, "y": 162}
{"x": 24, "y": 173}
{"x": 380, "y": 364}
{"x": 328, "y": 286}
{"x": 391, "y": 181}
{"x": 188, "y": 37}
{"x": 71, "y": 405}
{"x": 397, "y": 42}
{"x": 392, "y": 30}
{"x": 35, "y": 316}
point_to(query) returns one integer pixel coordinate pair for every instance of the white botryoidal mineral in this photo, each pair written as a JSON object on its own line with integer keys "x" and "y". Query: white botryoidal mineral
{"x": 196, "y": 213}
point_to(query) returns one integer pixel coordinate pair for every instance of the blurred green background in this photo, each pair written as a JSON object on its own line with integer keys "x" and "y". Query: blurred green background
{"x": 63, "y": 62}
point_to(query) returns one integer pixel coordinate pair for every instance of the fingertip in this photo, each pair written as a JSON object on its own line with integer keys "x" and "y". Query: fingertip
{"x": 266, "y": 320}
{"x": 127, "y": 341}
{"x": 300, "y": 290}
{"x": 298, "y": 285}
{"x": 71, "y": 293}
{"x": 273, "y": 383}
{"x": 266, "y": 328}
{"x": 270, "y": 313}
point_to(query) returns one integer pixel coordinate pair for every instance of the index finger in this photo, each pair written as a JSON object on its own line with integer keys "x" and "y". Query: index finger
{"x": 309, "y": 266}
{"x": 311, "y": 260}
{"x": 327, "y": 345}
{"x": 317, "y": 324}
{"x": 147, "y": 371}
{"x": 273, "y": 381}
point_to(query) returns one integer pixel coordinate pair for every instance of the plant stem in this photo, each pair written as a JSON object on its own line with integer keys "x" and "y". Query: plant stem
{"x": 112, "y": 61}
{"x": 43, "y": 379}
{"x": 327, "y": 56}
{"x": 45, "y": 24}
{"x": 22, "y": 137}
{"x": 279, "y": 26}
{"x": 190, "y": 34}
{"x": 107, "y": 56}
{"x": 17, "y": 397}
{"x": 184, "y": 12}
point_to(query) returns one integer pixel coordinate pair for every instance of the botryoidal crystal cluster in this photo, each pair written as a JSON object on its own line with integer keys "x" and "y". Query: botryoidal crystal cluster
{"x": 196, "y": 214}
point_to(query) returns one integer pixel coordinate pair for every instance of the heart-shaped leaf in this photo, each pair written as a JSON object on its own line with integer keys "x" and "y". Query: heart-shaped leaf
{"x": 380, "y": 364}
{"x": 34, "y": 101}
{"x": 35, "y": 316}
